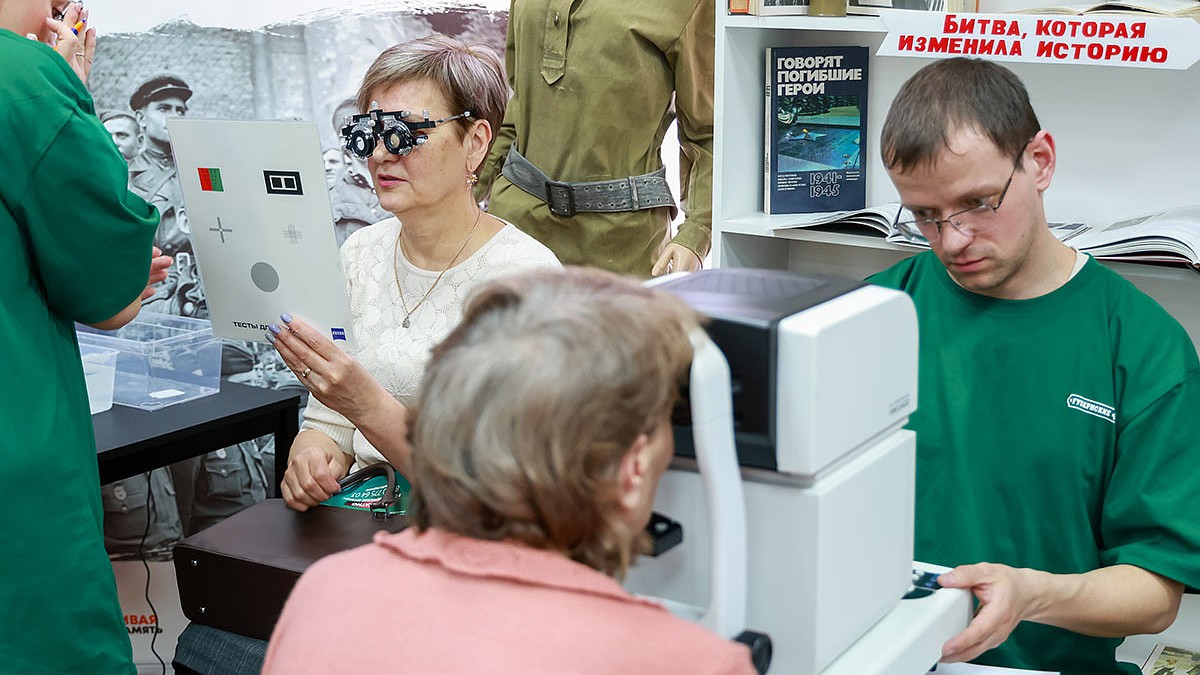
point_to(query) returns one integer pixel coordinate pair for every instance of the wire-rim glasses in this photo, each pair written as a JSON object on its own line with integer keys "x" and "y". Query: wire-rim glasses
{"x": 968, "y": 221}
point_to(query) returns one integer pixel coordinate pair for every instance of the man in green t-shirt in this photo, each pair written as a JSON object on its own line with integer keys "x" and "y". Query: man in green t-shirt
{"x": 1058, "y": 420}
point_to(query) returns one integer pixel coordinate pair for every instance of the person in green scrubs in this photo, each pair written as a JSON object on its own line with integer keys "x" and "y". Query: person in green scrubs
{"x": 77, "y": 247}
{"x": 1057, "y": 427}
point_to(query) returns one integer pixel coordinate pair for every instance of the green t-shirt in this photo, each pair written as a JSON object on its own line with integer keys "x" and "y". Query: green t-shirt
{"x": 76, "y": 247}
{"x": 1057, "y": 433}
{"x": 595, "y": 86}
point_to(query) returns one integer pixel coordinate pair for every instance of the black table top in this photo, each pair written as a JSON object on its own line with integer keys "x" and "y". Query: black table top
{"x": 123, "y": 433}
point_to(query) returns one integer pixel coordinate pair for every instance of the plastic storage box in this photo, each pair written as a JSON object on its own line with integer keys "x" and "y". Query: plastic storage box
{"x": 99, "y": 368}
{"x": 161, "y": 359}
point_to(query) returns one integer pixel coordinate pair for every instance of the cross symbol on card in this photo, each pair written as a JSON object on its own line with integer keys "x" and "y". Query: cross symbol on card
{"x": 220, "y": 229}
{"x": 293, "y": 235}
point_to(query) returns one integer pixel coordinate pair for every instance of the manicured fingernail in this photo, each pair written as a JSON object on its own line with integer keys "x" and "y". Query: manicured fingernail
{"x": 270, "y": 337}
{"x": 274, "y": 328}
{"x": 287, "y": 318}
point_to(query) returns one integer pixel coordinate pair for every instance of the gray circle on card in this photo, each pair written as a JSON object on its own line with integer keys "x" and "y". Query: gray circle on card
{"x": 264, "y": 276}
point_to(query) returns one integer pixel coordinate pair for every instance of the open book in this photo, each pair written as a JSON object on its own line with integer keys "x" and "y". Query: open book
{"x": 1190, "y": 8}
{"x": 1170, "y": 236}
{"x": 1168, "y": 660}
{"x": 872, "y": 7}
{"x": 875, "y": 220}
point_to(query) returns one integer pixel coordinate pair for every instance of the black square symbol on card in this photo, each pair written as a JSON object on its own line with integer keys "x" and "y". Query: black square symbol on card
{"x": 283, "y": 182}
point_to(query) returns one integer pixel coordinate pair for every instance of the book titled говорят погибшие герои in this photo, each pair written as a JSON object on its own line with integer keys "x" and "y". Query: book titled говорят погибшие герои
{"x": 815, "y": 129}
{"x": 1169, "y": 236}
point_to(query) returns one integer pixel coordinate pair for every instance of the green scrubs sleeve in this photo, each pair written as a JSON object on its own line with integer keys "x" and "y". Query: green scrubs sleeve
{"x": 87, "y": 230}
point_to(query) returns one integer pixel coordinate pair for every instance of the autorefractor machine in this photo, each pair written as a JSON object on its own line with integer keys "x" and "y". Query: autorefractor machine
{"x": 805, "y": 531}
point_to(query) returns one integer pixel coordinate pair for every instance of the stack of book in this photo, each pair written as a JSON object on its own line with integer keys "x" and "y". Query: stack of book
{"x": 867, "y": 7}
{"x": 1168, "y": 236}
{"x": 1176, "y": 8}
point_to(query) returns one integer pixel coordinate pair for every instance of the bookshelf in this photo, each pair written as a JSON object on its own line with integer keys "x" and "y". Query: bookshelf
{"x": 1126, "y": 137}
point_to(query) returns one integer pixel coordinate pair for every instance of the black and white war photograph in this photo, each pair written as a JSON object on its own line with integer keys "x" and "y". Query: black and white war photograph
{"x": 299, "y": 61}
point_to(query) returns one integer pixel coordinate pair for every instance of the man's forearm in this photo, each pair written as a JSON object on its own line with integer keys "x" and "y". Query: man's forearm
{"x": 1109, "y": 602}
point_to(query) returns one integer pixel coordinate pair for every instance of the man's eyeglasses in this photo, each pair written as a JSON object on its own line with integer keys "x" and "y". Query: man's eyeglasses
{"x": 969, "y": 222}
{"x": 362, "y": 132}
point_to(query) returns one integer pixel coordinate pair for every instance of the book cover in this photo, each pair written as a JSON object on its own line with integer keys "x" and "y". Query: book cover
{"x": 1168, "y": 660}
{"x": 872, "y": 7}
{"x": 867, "y": 7}
{"x": 778, "y": 7}
{"x": 816, "y": 129}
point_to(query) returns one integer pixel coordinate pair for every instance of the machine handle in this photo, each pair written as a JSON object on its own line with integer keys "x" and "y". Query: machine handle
{"x": 760, "y": 649}
{"x": 665, "y": 534}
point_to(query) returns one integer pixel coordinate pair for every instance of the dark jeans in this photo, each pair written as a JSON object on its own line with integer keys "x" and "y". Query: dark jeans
{"x": 209, "y": 651}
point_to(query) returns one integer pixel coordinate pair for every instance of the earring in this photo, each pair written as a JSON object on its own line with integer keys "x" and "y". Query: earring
{"x": 472, "y": 179}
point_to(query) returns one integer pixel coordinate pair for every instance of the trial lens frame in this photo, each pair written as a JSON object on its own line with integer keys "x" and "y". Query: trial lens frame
{"x": 361, "y": 131}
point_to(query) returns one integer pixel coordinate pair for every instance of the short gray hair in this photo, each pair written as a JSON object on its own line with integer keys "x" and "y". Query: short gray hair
{"x": 470, "y": 76}
{"x": 527, "y": 409}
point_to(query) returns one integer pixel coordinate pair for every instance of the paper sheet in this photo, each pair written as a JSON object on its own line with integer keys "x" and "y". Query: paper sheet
{"x": 972, "y": 669}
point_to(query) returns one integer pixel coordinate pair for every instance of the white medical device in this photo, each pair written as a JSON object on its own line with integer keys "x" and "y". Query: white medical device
{"x": 822, "y": 376}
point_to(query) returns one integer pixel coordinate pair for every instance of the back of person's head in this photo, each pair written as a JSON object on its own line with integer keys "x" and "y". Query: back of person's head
{"x": 951, "y": 96}
{"x": 528, "y": 408}
{"x": 343, "y": 110}
{"x": 471, "y": 77}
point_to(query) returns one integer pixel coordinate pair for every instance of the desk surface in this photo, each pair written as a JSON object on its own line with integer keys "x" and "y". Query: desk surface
{"x": 130, "y": 440}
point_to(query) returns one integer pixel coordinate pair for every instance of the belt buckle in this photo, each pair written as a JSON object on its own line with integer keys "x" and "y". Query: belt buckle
{"x": 560, "y": 197}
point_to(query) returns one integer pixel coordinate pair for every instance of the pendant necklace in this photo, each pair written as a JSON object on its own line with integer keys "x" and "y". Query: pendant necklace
{"x": 396, "y": 268}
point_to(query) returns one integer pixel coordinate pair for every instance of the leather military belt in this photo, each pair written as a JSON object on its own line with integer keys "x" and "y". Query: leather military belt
{"x": 634, "y": 193}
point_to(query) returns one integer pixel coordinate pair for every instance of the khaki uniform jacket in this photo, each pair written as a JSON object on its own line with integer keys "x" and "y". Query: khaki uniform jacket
{"x": 596, "y": 84}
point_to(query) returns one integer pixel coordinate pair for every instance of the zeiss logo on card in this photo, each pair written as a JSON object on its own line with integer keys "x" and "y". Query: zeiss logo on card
{"x": 338, "y": 333}
{"x": 283, "y": 182}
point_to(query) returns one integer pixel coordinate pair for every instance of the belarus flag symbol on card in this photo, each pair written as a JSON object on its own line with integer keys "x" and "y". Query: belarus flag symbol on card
{"x": 210, "y": 180}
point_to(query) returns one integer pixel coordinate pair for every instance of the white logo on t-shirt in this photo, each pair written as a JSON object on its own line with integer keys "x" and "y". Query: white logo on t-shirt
{"x": 1087, "y": 405}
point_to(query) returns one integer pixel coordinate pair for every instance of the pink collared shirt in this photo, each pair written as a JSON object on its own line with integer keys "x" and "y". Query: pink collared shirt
{"x": 442, "y": 603}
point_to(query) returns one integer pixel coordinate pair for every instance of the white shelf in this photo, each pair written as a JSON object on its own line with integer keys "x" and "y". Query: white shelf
{"x": 866, "y": 24}
{"x": 765, "y": 226}
{"x": 775, "y": 227}
{"x": 751, "y": 242}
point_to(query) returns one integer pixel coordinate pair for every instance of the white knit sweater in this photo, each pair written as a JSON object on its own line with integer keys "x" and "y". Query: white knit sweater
{"x": 396, "y": 356}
